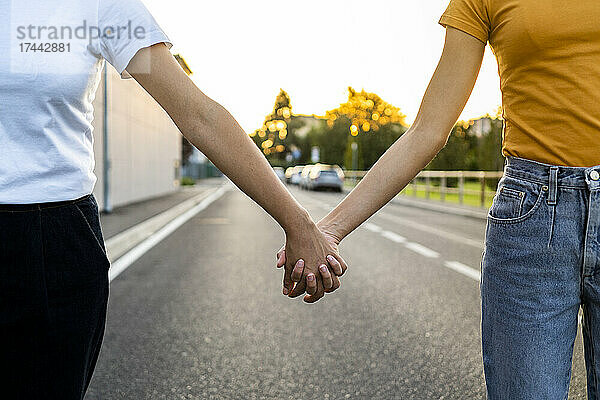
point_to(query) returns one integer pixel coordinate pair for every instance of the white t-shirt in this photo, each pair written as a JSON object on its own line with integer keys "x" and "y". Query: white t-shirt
{"x": 51, "y": 59}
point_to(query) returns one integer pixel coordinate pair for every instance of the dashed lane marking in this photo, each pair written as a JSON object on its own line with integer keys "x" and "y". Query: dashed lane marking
{"x": 372, "y": 227}
{"x": 436, "y": 231}
{"x": 455, "y": 237}
{"x": 422, "y": 250}
{"x": 463, "y": 269}
{"x": 394, "y": 237}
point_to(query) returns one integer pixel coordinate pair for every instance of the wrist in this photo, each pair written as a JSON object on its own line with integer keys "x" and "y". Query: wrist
{"x": 331, "y": 228}
{"x": 299, "y": 221}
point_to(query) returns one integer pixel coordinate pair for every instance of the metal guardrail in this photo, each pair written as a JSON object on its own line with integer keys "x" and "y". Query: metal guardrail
{"x": 437, "y": 182}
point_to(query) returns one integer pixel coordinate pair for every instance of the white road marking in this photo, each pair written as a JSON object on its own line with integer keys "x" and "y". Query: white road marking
{"x": 424, "y": 251}
{"x": 455, "y": 237}
{"x": 372, "y": 227}
{"x": 463, "y": 269}
{"x": 394, "y": 237}
{"x": 138, "y": 251}
{"x": 124, "y": 241}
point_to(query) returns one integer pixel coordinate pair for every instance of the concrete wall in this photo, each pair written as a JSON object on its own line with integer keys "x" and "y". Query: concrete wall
{"x": 144, "y": 144}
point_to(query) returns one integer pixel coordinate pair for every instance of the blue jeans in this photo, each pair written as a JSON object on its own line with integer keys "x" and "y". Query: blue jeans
{"x": 540, "y": 265}
{"x": 53, "y": 298}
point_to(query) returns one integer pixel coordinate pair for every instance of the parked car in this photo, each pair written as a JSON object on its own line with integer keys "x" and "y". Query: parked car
{"x": 323, "y": 176}
{"x": 295, "y": 179}
{"x": 280, "y": 172}
{"x": 304, "y": 176}
{"x": 288, "y": 174}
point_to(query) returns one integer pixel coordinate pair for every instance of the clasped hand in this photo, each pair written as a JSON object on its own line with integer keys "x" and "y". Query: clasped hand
{"x": 312, "y": 263}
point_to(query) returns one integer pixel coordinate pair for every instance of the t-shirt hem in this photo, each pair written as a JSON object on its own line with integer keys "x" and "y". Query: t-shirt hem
{"x": 463, "y": 26}
{"x": 27, "y": 199}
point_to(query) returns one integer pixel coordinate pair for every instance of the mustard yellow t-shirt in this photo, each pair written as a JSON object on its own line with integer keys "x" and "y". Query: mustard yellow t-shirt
{"x": 548, "y": 54}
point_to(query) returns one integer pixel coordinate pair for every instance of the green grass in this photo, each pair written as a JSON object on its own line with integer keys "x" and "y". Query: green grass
{"x": 451, "y": 198}
{"x": 468, "y": 199}
{"x": 187, "y": 181}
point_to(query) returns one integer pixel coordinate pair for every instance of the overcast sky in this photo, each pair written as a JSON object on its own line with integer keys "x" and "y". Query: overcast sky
{"x": 242, "y": 52}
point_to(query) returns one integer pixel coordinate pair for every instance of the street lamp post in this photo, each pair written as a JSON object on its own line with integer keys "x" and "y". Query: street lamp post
{"x": 354, "y": 147}
{"x": 107, "y": 205}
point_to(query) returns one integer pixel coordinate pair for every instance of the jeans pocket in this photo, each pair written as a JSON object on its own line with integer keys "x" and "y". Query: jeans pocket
{"x": 516, "y": 200}
{"x": 88, "y": 210}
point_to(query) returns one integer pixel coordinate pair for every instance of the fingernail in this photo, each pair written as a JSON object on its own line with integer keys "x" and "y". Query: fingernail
{"x": 300, "y": 262}
{"x": 286, "y": 291}
{"x": 310, "y": 277}
{"x": 323, "y": 268}
{"x": 330, "y": 258}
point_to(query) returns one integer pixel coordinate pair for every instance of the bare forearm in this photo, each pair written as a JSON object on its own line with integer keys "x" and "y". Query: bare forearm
{"x": 225, "y": 143}
{"x": 394, "y": 170}
{"x": 443, "y": 102}
{"x": 209, "y": 127}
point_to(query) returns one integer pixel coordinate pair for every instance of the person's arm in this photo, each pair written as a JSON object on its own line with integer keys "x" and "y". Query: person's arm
{"x": 209, "y": 127}
{"x": 442, "y": 104}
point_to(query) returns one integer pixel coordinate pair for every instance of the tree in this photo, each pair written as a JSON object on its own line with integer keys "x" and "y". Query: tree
{"x": 365, "y": 119}
{"x": 470, "y": 149}
{"x": 367, "y": 112}
{"x": 272, "y": 135}
{"x": 489, "y": 150}
{"x": 374, "y": 125}
{"x": 458, "y": 153}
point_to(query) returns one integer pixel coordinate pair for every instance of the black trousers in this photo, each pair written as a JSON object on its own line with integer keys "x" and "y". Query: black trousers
{"x": 53, "y": 298}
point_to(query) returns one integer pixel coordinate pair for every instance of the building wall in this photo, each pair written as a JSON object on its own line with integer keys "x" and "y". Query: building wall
{"x": 144, "y": 144}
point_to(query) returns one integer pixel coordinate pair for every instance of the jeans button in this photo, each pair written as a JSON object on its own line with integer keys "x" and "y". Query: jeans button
{"x": 595, "y": 175}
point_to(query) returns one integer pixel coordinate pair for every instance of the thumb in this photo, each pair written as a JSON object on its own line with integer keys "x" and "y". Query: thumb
{"x": 281, "y": 258}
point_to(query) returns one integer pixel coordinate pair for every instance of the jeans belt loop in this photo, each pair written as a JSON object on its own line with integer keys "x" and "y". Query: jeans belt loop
{"x": 553, "y": 186}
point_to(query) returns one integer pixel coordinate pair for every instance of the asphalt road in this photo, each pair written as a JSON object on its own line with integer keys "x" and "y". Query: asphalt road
{"x": 201, "y": 315}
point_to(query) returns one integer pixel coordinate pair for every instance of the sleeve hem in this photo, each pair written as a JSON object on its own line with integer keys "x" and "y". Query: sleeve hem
{"x": 131, "y": 50}
{"x": 464, "y": 26}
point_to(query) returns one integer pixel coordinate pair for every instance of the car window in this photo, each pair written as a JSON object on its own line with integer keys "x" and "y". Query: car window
{"x": 329, "y": 172}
